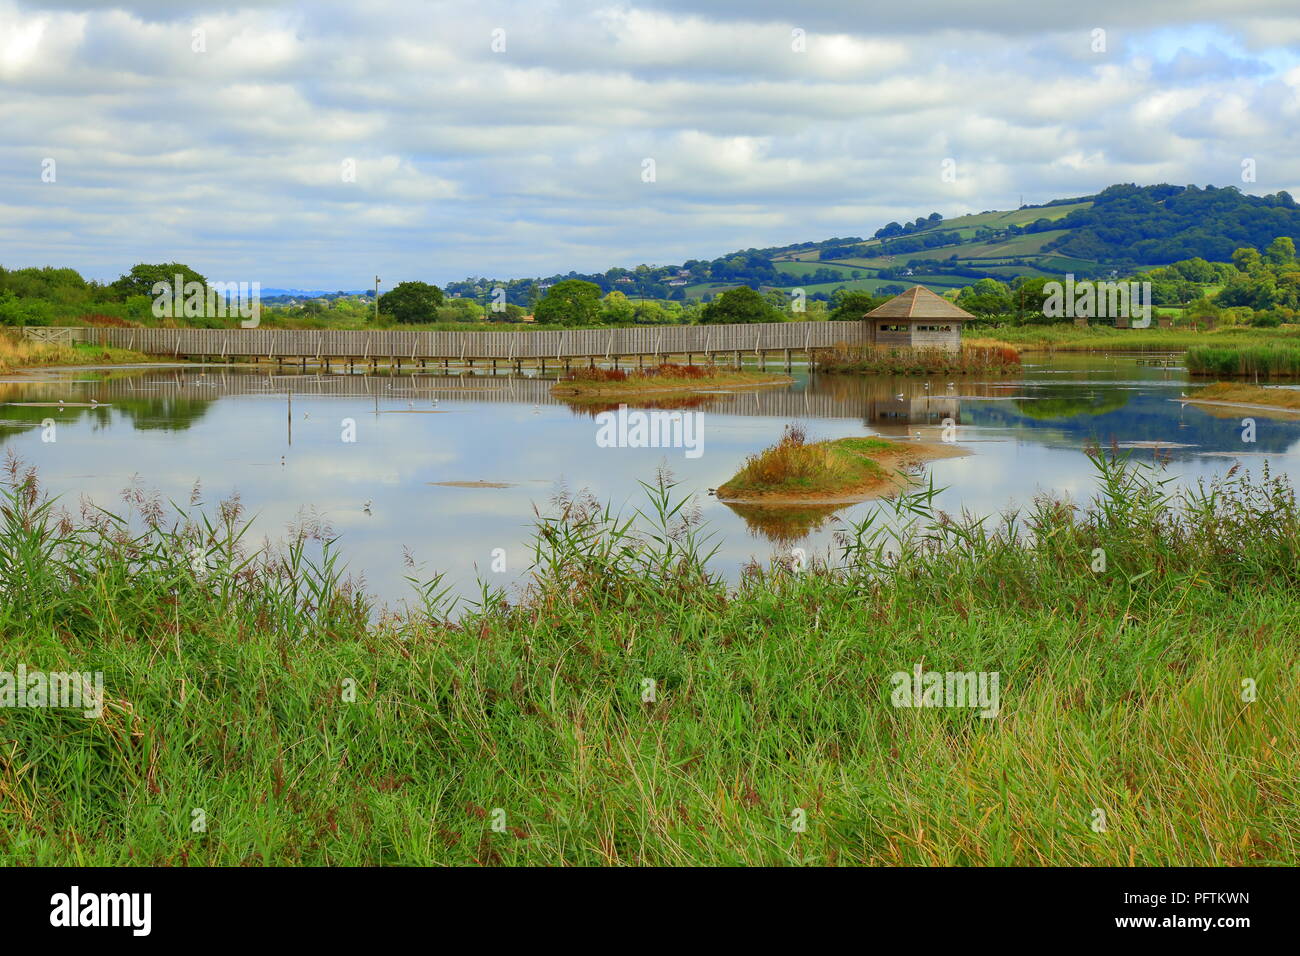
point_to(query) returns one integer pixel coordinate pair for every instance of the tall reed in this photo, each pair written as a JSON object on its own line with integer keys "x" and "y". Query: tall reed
{"x": 629, "y": 706}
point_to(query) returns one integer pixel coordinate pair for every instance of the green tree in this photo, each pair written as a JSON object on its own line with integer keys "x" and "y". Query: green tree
{"x": 464, "y": 310}
{"x": 411, "y": 302}
{"x": 142, "y": 278}
{"x": 569, "y": 302}
{"x": 1246, "y": 259}
{"x": 852, "y": 304}
{"x": 739, "y": 305}
{"x": 617, "y": 309}
{"x": 1281, "y": 251}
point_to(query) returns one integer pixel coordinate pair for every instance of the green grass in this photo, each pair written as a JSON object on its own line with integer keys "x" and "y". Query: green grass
{"x": 16, "y": 353}
{"x": 229, "y": 692}
{"x": 1246, "y": 361}
{"x": 971, "y": 253}
{"x": 800, "y": 269}
{"x": 1067, "y": 337}
{"x": 967, "y": 225}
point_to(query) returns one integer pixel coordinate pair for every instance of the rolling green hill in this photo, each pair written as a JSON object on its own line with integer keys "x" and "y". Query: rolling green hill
{"x": 1124, "y": 228}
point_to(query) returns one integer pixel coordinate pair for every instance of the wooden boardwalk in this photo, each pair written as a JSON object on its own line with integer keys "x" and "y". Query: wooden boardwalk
{"x": 559, "y": 347}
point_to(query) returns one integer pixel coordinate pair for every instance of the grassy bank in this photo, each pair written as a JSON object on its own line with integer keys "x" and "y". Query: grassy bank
{"x": 978, "y": 357}
{"x": 633, "y": 709}
{"x": 24, "y": 353}
{"x": 665, "y": 377}
{"x": 1239, "y": 393}
{"x": 1261, "y": 361}
{"x": 1104, "y": 337}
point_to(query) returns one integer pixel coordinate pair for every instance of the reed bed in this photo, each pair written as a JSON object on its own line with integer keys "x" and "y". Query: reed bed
{"x": 18, "y": 353}
{"x": 990, "y": 358}
{"x": 630, "y": 707}
{"x": 1066, "y": 337}
{"x": 1256, "y": 362}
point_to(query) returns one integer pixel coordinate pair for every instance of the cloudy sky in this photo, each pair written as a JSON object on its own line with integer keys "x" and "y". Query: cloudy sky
{"x": 316, "y": 144}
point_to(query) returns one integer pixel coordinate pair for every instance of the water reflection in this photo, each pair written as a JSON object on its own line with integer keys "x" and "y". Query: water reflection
{"x": 462, "y": 478}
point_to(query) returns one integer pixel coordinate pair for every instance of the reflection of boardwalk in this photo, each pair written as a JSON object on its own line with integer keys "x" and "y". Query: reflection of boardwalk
{"x": 215, "y": 383}
{"x": 888, "y": 404}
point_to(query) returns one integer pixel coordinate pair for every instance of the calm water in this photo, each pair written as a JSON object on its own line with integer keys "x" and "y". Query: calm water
{"x": 240, "y": 431}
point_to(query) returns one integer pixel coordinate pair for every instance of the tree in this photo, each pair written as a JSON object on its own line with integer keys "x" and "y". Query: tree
{"x": 142, "y": 277}
{"x": 739, "y": 305}
{"x": 1281, "y": 251}
{"x": 411, "y": 302}
{"x": 1246, "y": 259}
{"x": 617, "y": 309}
{"x": 851, "y": 305}
{"x": 986, "y": 297}
{"x": 464, "y": 310}
{"x": 570, "y": 302}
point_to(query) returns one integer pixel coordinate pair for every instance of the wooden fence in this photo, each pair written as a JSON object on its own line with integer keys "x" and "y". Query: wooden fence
{"x": 559, "y": 345}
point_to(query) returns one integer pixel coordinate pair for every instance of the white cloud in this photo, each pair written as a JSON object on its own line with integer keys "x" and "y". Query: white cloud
{"x": 528, "y": 161}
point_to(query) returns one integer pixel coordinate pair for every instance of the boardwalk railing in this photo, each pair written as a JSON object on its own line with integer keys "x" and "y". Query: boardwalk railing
{"x": 511, "y": 347}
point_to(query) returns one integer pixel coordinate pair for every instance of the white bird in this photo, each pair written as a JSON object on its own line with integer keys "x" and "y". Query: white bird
{"x": 899, "y": 396}
{"x": 366, "y": 506}
{"x": 60, "y": 403}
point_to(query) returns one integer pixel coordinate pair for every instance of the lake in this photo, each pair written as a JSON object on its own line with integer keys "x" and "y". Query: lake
{"x": 446, "y": 471}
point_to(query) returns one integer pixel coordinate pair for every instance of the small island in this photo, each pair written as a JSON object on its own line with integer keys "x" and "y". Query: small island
{"x": 1238, "y": 396}
{"x": 797, "y": 472}
{"x": 662, "y": 378}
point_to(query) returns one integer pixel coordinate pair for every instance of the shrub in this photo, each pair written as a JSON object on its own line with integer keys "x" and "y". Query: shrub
{"x": 596, "y": 375}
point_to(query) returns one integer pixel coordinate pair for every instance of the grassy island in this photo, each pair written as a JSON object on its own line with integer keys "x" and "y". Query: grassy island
{"x": 1241, "y": 395}
{"x": 798, "y": 472}
{"x": 663, "y": 378}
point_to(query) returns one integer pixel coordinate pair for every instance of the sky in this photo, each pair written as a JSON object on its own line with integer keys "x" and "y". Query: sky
{"x": 318, "y": 144}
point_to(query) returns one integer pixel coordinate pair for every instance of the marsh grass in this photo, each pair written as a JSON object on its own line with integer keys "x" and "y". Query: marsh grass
{"x": 19, "y": 353}
{"x": 980, "y": 357}
{"x": 1263, "y": 361}
{"x": 1067, "y": 337}
{"x": 227, "y": 666}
